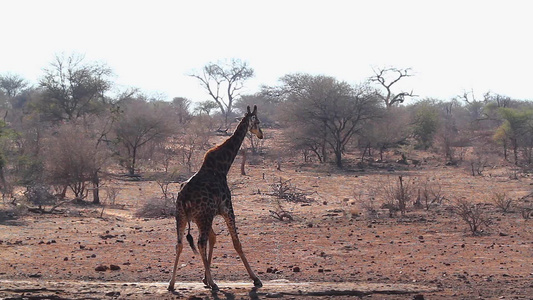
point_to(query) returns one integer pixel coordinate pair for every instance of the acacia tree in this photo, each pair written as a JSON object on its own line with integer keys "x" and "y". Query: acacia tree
{"x": 12, "y": 84}
{"x": 386, "y": 78}
{"x": 181, "y": 108}
{"x": 328, "y": 111}
{"x": 516, "y": 128}
{"x": 205, "y": 107}
{"x": 73, "y": 88}
{"x": 223, "y": 81}
{"x": 425, "y": 123}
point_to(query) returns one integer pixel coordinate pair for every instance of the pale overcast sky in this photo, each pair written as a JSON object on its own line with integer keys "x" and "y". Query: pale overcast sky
{"x": 452, "y": 46}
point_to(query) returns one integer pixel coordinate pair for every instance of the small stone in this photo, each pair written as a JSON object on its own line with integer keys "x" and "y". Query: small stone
{"x": 296, "y": 269}
{"x": 114, "y": 267}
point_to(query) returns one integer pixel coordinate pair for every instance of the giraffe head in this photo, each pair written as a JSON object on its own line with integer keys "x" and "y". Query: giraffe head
{"x": 254, "y": 122}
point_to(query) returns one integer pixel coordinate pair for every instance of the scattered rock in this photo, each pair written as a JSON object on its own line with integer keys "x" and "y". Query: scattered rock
{"x": 114, "y": 267}
{"x": 107, "y": 236}
{"x": 112, "y": 294}
{"x": 296, "y": 269}
{"x": 101, "y": 268}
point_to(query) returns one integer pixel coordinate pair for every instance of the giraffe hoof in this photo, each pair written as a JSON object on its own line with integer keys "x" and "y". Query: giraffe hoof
{"x": 171, "y": 288}
{"x": 258, "y": 283}
{"x": 214, "y": 287}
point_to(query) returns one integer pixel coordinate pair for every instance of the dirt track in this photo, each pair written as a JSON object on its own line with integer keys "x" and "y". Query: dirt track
{"x": 229, "y": 290}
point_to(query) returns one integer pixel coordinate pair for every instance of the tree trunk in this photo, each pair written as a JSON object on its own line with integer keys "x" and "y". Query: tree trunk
{"x": 505, "y": 149}
{"x": 243, "y": 162}
{"x": 96, "y": 188}
{"x": 338, "y": 158}
{"x": 515, "y": 151}
{"x": 133, "y": 161}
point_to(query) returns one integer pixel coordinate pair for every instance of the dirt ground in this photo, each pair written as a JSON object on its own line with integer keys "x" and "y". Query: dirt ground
{"x": 331, "y": 249}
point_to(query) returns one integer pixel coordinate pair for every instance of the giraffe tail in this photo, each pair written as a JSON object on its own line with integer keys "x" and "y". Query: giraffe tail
{"x": 191, "y": 240}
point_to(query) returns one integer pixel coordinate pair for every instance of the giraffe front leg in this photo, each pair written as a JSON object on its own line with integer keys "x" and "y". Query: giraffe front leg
{"x": 238, "y": 247}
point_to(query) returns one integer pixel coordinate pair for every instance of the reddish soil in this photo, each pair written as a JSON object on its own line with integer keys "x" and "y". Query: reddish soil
{"x": 331, "y": 240}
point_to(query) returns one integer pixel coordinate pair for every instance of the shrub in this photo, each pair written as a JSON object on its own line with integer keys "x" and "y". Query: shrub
{"x": 472, "y": 214}
{"x": 397, "y": 195}
{"x": 430, "y": 193}
{"x": 501, "y": 201}
{"x": 284, "y": 189}
{"x": 39, "y": 195}
{"x": 158, "y": 208}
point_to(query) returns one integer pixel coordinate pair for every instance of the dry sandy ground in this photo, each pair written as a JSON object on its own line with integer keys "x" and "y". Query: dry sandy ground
{"x": 330, "y": 242}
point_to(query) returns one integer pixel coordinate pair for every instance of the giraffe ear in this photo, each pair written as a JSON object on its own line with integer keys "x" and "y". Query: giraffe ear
{"x": 255, "y": 110}
{"x": 248, "y": 109}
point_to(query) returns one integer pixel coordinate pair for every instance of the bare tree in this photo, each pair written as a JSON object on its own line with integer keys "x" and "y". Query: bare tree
{"x": 386, "y": 78}
{"x": 389, "y": 130}
{"x": 73, "y": 88}
{"x": 140, "y": 123}
{"x": 73, "y": 158}
{"x": 194, "y": 138}
{"x": 223, "y": 82}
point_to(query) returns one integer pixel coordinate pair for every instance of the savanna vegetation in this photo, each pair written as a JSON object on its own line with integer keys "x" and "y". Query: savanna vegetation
{"x": 72, "y": 136}
{"x": 74, "y": 128}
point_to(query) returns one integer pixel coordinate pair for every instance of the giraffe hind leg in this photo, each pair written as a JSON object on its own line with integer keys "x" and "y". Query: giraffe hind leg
{"x": 211, "y": 243}
{"x": 202, "y": 246}
{"x": 179, "y": 248}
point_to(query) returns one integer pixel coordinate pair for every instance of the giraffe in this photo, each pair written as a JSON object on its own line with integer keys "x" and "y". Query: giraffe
{"x": 206, "y": 194}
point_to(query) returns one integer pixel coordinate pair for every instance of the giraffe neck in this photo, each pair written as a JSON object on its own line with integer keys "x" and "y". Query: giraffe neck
{"x": 220, "y": 158}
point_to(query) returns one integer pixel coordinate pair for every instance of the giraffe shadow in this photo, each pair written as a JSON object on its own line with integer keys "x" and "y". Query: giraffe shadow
{"x": 225, "y": 295}
{"x": 221, "y": 294}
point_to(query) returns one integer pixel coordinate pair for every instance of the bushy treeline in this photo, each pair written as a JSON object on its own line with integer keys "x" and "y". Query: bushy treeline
{"x": 75, "y": 128}
{"x": 326, "y": 118}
